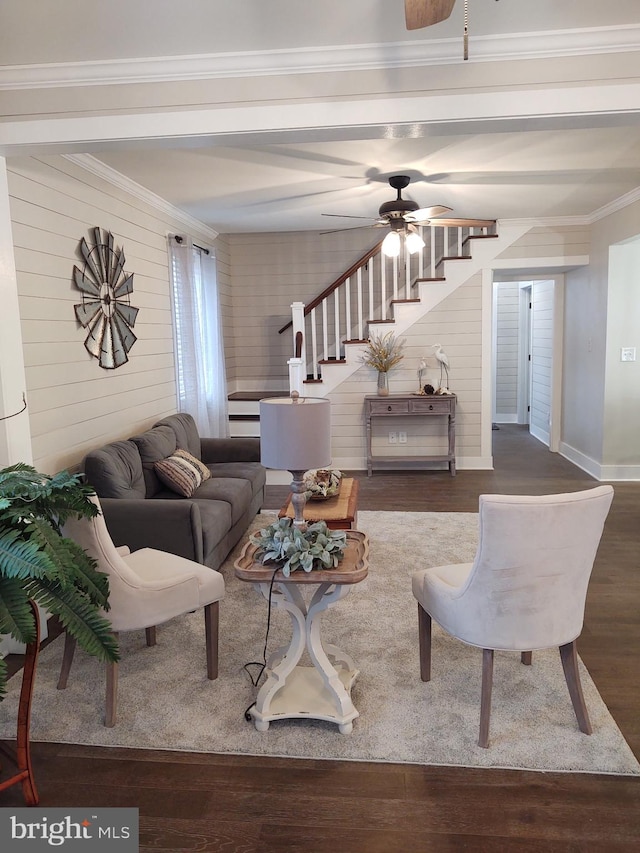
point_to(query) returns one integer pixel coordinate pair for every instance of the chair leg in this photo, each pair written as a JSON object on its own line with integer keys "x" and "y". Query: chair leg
{"x": 424, "y": 643}
{"x": 111, "y": 698}
{"x": 211, "y": 625}
{"x": 151, "y": 635}
{"x": 569, "y": 657}
{"x": 526, "y": 657}
{"x": 67, "y": 660}
{"x": 485, "y": 699}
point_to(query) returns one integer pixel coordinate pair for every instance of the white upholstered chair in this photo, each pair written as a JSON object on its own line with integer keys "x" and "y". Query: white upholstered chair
{"x": 526, "y": 588}
{"x": 146, "y": 588}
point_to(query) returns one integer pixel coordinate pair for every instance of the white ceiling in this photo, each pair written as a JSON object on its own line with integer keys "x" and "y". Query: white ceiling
{"x": 550, "y": 168}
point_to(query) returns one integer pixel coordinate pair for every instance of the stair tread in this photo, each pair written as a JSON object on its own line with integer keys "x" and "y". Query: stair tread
{"x": 254, "y": 395}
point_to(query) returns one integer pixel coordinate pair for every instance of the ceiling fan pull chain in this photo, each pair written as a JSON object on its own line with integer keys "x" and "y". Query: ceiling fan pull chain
{"x": 466, "y": 29}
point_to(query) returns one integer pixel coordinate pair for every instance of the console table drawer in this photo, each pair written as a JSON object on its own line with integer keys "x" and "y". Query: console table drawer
{"x": 389, "y": 407}
{"x": 430, "y": 405}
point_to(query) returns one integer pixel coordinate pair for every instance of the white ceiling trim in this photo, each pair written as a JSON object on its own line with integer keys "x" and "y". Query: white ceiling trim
{"x": 340, "y": 58}
{"x": 122, "y": 182}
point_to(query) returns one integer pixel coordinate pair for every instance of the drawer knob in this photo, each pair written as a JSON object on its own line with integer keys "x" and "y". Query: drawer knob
{"x": 430, "y": 407}
{"x": 389, "y": 408}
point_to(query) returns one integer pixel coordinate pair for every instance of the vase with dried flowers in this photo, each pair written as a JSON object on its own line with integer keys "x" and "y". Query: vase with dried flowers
{"x": 382, "y": 353}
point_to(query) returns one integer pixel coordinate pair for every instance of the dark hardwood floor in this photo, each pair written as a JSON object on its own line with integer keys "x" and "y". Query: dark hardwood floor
{"x": 266, "y": 805}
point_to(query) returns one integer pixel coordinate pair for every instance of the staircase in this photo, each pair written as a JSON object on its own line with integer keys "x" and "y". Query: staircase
{"x": 375, "y": 294}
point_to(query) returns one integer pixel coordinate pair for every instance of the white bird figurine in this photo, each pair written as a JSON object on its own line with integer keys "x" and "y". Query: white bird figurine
{"x": 444, "y": 362}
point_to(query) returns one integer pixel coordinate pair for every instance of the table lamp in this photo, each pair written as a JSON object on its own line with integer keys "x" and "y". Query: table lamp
{"x": 295, "y": 435}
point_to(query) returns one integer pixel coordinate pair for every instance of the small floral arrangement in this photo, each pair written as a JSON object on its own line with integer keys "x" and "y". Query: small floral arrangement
{"x": 322, "y": 483}
{"x": 317, "y": 547}
{"x": 383, "y": 352}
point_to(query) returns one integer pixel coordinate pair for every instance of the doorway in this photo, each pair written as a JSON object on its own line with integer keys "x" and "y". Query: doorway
{"x": 527, "y": 355}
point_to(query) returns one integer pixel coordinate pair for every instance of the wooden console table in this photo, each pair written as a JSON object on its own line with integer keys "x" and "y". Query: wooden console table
{"x": 412, "y": 405}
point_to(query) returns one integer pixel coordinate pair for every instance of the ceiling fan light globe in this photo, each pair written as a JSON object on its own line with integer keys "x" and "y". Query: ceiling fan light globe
{"x": 391, "y": 245}
{"x": 414, "y": 242}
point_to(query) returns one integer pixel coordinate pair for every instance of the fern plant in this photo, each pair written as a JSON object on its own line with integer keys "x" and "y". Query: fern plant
{"x": 38, "y": 563}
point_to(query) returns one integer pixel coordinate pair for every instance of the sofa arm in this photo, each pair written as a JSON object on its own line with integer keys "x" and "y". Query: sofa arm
{"x": 230, "y": 450}
{"x": 167, "y": 525}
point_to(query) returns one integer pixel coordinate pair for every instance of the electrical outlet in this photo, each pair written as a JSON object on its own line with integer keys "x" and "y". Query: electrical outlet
{"x": 393, "y": 438}
{"x": 402, "y": 438}
{"x": 628, "y": 354}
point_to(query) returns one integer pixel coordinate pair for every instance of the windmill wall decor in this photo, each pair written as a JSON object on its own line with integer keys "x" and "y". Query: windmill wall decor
{"x": 105, "y": 310}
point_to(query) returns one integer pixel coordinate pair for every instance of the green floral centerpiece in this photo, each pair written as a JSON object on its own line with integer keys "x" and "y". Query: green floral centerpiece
{"x": 291, "y": 548}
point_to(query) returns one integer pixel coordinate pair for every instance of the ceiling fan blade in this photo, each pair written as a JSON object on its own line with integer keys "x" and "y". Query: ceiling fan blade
{"x": 425, "y": 13}
{"x": 346, "y": 216}
{"x": 425, "y": 213}
{"x": 355, "y": 228}
{"x": 452, "y": 223}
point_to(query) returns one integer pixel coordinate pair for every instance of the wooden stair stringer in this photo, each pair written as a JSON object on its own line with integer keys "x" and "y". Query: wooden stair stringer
{"x": 431, "y": 293}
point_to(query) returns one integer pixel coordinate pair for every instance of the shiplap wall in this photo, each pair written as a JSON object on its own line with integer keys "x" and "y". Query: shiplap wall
{"x": 560, "y": 241}
{"x": 74, "y": 404}
{"x": 268, "y": 273}
{"x": 541, "y": 358}
{"x": 507, "y": 341}
{"x": 456, "y": 323}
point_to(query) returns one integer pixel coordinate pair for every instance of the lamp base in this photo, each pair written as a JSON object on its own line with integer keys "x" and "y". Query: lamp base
{"x": 298, "y": 499}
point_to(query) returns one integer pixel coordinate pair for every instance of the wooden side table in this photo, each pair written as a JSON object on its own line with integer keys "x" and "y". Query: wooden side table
{"x": 321, "y": 691}
{"x": 340, "y": 512}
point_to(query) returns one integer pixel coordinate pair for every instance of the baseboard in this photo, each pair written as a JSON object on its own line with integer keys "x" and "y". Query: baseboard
{"x": 586, "y": 463}
{"x": 469, "y": 463}
{"x": 505, "y": 419}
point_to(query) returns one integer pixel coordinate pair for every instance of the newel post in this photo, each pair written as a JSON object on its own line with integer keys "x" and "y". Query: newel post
{"x": 297, "y": 364}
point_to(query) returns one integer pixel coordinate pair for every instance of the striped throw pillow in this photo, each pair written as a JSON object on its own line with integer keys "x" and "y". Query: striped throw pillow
{"x": 205, "y": 473}
{"x": 178, "y": 474}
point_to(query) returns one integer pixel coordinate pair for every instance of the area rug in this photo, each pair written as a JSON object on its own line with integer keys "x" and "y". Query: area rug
{"x": 166, "y": 701}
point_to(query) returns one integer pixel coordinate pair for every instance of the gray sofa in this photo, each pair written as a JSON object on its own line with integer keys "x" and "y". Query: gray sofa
{"x": 142, "y": 513}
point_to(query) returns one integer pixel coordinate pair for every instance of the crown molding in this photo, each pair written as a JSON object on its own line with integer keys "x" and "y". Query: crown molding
{"x": 309, "y": 60}
{"x": 117, "y": 179}
{"x": 588, "y": 219}
{"x": 615, "y": 205}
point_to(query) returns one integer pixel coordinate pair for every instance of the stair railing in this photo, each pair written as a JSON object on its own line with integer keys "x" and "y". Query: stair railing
{"x": 364, "y": 295}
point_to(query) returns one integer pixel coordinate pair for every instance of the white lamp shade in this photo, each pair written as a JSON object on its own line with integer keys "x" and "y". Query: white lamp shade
{"x": 295, "y": 434}
{"x": 391, "y": 245}
{"x": 414, "y": 242}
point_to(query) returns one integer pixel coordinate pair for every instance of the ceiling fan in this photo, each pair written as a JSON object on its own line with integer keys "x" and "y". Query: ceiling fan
{"x": 402, "y": 215}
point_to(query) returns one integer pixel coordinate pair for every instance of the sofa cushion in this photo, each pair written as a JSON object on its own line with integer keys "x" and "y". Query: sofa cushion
{"x": 178, "y": 474}
{"x": 115, "y": 471}
{"x": 205, "y": 473}
{"x": 155, "y": 444}
{"x": 215, "y": 518}
{"x": 186, "y": 432}
{"x": 254, "y": 472}
{"x": 236, "y": 492}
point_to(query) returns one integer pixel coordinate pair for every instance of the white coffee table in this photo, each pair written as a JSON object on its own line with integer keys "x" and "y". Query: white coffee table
{"x": 321, "y": 691}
